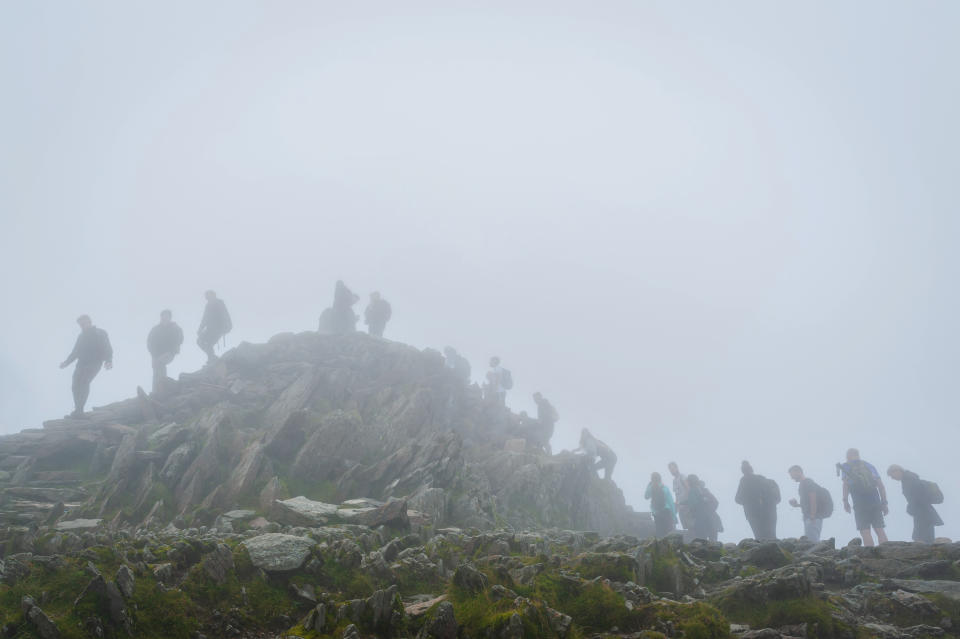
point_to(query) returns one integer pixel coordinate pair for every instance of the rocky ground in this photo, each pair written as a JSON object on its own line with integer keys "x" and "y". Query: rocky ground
{"x": 347, "y": 486}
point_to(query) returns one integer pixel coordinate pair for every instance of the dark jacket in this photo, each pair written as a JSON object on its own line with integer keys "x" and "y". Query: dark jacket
{"x": 918, "y": 503}
{"x": 92, "y": 347}
{"x": 377, "y": 313}
{"x": 754, "y": 494}
{"x": 164, "y": 338}
{"x": 216, "y": 319}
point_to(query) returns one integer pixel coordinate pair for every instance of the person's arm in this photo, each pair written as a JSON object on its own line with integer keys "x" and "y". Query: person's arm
{"x": 179, "y": 339}
{"x": 846, "y": 495}
{"x": 646, "y": 493}
{"x": 813, "y": 505}
{"x": 883, "y": 495}
{"x": 107, "y": 351}
{"x": 72, "y": 356}
{"x": 739, "y": 497}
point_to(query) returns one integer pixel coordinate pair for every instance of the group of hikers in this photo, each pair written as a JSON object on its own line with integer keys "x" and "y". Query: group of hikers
{"x": 689, "y": 504}
{"x": 93, "y": 352}
{"x": 694, "y": 507}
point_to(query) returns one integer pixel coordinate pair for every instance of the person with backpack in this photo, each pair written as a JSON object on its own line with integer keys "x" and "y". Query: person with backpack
{"x": 680, "y": 491}
{"x": 862, "y": 482}
{"x": 594, "y": 448}
{"x": 215, "y": 324}
{"x": 759, "y": 497}
{"x": 705, "y": 522}
{"x": 91, "y": 352}
{"x": 815, "y": 503}
{"x": 377, "y": 314}
{"x": 499, "y": 381}
{"x": 921, "y": 495}
{"x": 163, "y": 342}
{"x": 661, "y": 506}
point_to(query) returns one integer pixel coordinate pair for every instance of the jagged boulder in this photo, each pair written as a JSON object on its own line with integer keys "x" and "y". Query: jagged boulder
{"x": 276, "y": 552}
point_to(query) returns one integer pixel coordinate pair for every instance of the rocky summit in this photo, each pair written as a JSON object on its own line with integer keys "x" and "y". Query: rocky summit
{"x": 348, "y": 486}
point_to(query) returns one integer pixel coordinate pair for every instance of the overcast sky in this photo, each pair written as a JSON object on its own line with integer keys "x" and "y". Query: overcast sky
{"x": 707, "y": 231}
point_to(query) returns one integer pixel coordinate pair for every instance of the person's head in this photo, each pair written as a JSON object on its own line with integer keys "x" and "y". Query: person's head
{"x": 895, "y": 472}
{"x": 796, "y": 472}
{"x": 693, "y": 480}
{"x": 494, "y": 361}
{"x": 375, "y": 296}
{"x": 166, "y": 315}
{"x": 655, "y": 478}
{"x": 853, "y": 454}
{"x": 537, "y": 396}
{"x": 210, "y": 295}
{"x": 746, "y": 468}
{"x": 85, "y": 322}
{"x": 673, "y": 468}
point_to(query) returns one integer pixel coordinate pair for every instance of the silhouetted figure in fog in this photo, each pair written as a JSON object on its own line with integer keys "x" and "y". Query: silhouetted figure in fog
{"x": 499, "y": 381}
{"x": 340, "y": 319}
{"x": 704, "y": 520}
{"x": 813, "y": 504}
{"x": 377, "y": 314}
{"x": 215, "y": 324}
{"x": 862, "y": 482}
{"x": 680, "y": 491}
{"x": 595, "y": 448}
{"x": 661, "y": 506}
{"x": 547, "y": 416}
{"x": 759, "y": 497}
{"x": 91, "y": 352}
{"x": 921, "y": 496}
{"x": 457, "y": 363}
{"x": 163, "y": 342}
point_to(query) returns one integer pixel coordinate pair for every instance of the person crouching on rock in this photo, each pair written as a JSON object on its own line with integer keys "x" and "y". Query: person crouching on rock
{"x": 594, "y": 448}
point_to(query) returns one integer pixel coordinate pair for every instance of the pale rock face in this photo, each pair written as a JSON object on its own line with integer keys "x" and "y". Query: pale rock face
{"x": 276, "y": 552}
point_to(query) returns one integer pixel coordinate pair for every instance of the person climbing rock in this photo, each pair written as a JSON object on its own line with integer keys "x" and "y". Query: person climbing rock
{"x": 91, "y": 352}
{"x": 595, "y": 448}
{"x": 215, "y": 324}
{"x": 163, "y": 342}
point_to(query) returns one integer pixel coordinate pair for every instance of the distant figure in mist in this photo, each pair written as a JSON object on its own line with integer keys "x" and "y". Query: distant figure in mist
{"x": 163, "y": 342}
{"x": 595, "y": 448}
{"x": 91, "y": 351}
{"x": 815, "y": 503}
{"x": 215, "y": 324}
{"x": 499, "y": 381}
{"x": 862, "y": 482}
{"x": 547, "y": 417}
{"x": 661, "y": 505}
{"x": 681, "y": 490}
{"x": 457, "y": 363}
{"x": 377, "y": 314}
{"x": 759, "y": 497}
{"x": 921, "y": 495}
{"x": 705, "y": 522}
{"x": 340, "y": 319}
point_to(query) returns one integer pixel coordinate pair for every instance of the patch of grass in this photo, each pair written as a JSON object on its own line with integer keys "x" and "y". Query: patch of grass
{"x": 816, "y": 612}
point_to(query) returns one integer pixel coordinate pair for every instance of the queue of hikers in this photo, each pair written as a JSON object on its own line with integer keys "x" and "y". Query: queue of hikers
{"x": 691, "y": 505}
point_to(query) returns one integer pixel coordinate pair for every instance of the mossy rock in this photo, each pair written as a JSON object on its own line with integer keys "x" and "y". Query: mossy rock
{"x": 612, "y": 566}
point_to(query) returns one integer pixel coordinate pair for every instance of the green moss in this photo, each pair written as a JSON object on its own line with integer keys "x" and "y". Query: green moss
{"x": 816, "y": 612}
{"x": 616, "y": 567}
{"x": 592, "y": 606}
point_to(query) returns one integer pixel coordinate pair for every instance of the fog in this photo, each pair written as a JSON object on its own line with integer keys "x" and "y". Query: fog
{"x": 707, "y": 231}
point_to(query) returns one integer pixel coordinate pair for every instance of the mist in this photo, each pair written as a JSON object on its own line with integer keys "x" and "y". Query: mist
{"x": 705, "y": 234}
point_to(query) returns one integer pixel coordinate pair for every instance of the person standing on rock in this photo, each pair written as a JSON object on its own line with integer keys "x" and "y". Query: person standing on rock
{"x": 215, "y": 324}
{"x": 163, "y": 342}
{"x": 595, "y": 448}
{"x": 680, "y": 491}
{"x": 499, "y": 381}
{"x": 705, "y": 522}
{"x": 377, "y": 314}
{"x": 661, "y": 506}
{"x": 547, "y": 416}
{"x": 862, "y": 482}
{"x": 759, "y": 497}
{"x": 457, "y": 363}
{"x": 91, "y": 352}
{"x": 921, "y": 496}
{"x": 813, "y": 503}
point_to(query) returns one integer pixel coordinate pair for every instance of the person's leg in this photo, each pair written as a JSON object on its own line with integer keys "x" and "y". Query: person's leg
{"x": 206, "y": 342}
{"x": 159, "y": 372}
{"x": 756, "y": 527}
{"x": 812, "y": 528}
{"x": 881, "y": 535}
{"x": 82, "y": 376}
{"x": 867, "y": 537}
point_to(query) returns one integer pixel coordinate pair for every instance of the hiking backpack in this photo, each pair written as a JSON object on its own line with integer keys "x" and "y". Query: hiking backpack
{"x": 824, "y": 502}
{"x": 711, "y": 502}
{"x": 931, "y": 492}
{"x": 859, "y": 478}
{"x": 506, "y": 379}
{"x": 771, "y": 491}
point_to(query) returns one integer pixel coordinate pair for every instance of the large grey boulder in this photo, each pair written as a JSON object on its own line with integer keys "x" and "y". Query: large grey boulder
{"x": 276, "y": 552}
{"x": 44, "y": 625}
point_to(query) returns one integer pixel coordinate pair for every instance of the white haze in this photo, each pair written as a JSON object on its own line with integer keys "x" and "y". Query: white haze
{"x": 707, "y": 231}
